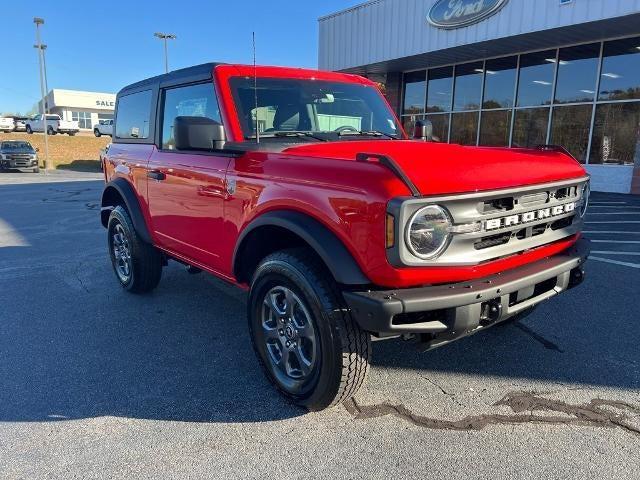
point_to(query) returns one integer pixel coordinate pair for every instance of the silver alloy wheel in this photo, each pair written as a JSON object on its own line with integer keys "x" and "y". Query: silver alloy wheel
{"x": 121, "y": 253}
{"x": 289, "y": 335}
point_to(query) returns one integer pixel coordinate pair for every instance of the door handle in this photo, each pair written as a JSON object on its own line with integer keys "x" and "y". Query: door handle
{"x": 156, "y": 175}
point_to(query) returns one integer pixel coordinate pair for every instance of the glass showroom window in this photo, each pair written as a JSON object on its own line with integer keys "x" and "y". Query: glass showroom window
{"x": 415, "y": 92}
{"x": 577, "y": 73}
{"x": 536, "y": 78}
{"x": 468, "y": 86}
{"x": 409, "y": 122}
{"x": 464, "y": 128}
{"x": 616, "y": 134}
{"x": 83, "y": 119}
{"x": 530, "y": 127}
{"x": 620, "y": 77}
{"x": 440, "y": 124}
{"x": 439, "y": 90}
{"x": 495, "y": 127}
{"x": 500, "y": 81}
{"x": 570, "y": 128}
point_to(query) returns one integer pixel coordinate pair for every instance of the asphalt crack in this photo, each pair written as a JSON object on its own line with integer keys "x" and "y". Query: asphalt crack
{"x": 558, "y": 412}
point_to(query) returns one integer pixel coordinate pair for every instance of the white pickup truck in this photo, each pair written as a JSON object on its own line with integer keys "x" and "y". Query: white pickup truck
{"x": 54, "y": 123}
{"x": 6, "y": 124}
{"x": 104, "y": 127}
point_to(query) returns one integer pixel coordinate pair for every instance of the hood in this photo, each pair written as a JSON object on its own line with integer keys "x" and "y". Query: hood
{"x": 441, "y": 168}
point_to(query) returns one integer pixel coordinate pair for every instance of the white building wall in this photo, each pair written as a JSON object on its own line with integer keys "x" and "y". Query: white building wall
{"x": 383, "y": 30}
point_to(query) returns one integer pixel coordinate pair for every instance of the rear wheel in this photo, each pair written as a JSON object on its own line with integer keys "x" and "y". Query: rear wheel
{"x": 72, "y": 134}
{"x": 137, "y": 265}
{"x": 306, "y": 340}
{"x": 50, "y": 131}
{"x": 29, "y": 131}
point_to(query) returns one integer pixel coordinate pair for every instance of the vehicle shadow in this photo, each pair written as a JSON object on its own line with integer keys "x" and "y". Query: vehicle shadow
{"x": 81, "y": 166}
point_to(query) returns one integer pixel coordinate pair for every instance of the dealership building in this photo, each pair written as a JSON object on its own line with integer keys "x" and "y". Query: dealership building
{"x": 505, "y": 73}
{"x": 86, "y": 108}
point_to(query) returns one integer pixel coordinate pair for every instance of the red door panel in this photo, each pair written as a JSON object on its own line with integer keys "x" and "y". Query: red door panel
{"x": 186, "y": 195}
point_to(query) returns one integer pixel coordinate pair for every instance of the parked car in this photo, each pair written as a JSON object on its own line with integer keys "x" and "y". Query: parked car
{"x": 18, "y": 154}
{"x": 6, "y": 124}
{"x": 20, "y": 124}
{"x": 104, "y": 127}
{"x": 301, "y": 187}
{"x": 55, "y": 125}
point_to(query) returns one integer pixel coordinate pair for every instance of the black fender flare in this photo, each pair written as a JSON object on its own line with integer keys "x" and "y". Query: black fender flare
{"x": 326, "y": 244}
{"x": 128, "y": 195}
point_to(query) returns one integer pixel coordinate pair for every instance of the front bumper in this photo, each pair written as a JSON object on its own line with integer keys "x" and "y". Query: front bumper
{"x": 447, "y": 312}
{"x": 18, "y": 164}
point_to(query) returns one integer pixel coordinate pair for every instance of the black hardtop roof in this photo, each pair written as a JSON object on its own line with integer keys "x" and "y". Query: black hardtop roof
{"x": 197, "y": 72}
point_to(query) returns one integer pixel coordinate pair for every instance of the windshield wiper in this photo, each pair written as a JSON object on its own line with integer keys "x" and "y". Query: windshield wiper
{"x": 288, "y": 134}
{"x": 370, "y": 133}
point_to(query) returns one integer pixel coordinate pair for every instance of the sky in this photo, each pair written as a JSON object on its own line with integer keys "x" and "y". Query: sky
{"x": 103, "y": 45}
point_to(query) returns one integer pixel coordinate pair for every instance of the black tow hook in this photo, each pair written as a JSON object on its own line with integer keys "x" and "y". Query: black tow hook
{"x": 491, "y": 312}
{"x": 576, "y": 277}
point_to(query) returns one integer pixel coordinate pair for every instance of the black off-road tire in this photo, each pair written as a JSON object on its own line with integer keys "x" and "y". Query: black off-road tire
{"x": 342, "y": 360}
{"x": 145, "y": 265}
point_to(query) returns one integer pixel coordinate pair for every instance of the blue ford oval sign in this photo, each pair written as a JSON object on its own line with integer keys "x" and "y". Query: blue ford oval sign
{"x": 460, "y": 13}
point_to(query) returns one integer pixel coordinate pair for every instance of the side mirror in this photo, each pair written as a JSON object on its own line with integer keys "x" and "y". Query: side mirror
{"x": 198, "y": 133}
{"x": 423, "y": 130}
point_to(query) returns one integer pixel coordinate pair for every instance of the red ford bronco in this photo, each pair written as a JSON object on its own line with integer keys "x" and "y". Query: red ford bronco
{"x": 302, "y": 187}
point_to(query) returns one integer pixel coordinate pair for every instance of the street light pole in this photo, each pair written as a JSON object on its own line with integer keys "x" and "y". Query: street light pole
{"x": 43, "y": 110}
{"x": 165, "y": 37}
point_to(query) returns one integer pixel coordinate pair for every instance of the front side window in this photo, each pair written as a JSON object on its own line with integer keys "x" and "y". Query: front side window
{"x": 133, "y": 115}
{"x": 190, "y": 101}
{"x": 291, "y": 105}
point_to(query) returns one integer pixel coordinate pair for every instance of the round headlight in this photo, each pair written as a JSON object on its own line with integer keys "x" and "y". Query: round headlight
{"x": 586, "y": 191}
{"x": 428, "y": 232}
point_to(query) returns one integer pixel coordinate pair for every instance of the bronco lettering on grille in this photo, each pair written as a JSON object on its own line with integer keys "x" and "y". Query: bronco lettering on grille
{"x": 517, "y": 219}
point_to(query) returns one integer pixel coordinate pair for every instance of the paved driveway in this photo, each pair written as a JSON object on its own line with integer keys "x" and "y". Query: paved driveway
{"x": 96, "y": 383}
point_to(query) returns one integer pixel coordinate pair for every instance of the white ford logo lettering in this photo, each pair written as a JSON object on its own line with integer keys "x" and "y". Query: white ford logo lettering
{"x": 520, "y": 218}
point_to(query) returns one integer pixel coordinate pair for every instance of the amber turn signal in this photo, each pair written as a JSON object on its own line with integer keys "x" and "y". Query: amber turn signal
{"x": 390, "y": 231}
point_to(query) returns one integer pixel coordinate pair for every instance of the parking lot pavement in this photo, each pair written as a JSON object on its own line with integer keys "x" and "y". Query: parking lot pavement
{"x": 97, "y": 383}
{"x": 613, "y": 225}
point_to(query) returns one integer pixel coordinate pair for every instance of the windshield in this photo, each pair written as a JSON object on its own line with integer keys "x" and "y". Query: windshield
{"x": 291, "y": 105}
{"x": 15, "y": 146}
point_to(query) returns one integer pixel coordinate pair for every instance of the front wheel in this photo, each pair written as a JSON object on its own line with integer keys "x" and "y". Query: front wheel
{"x": 137, "y": 265}
{"x": 306, "y": 340}
{"x": 96, "y": 132}
{"x": 29, "y": 131}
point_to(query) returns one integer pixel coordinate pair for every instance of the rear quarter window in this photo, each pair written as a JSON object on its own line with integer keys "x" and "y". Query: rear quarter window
{"x": 133, "y": 115}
